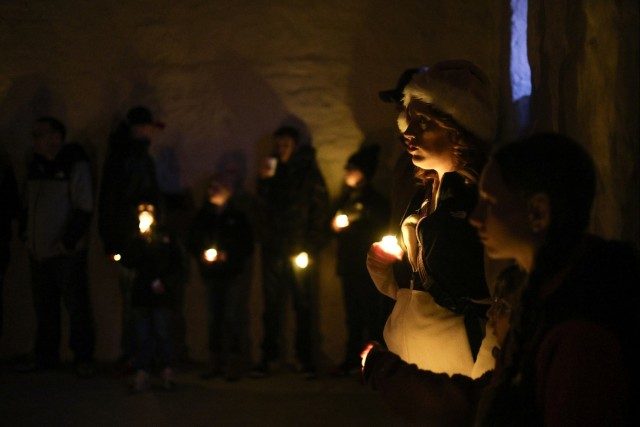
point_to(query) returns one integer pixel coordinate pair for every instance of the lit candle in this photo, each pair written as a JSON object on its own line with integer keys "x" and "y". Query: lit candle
{"x": 389, "y": 244}
{"x": 210, "y": 255}
{"x": 145, "y": 219}
{"x": 302, "y": 260}
{"x": 117, "y": 257}
{"x": 342, "y": 221}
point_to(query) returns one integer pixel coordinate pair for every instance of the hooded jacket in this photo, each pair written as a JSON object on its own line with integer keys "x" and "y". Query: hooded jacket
{"x": 59, "y": 203}
{"x": 294, "y": 205}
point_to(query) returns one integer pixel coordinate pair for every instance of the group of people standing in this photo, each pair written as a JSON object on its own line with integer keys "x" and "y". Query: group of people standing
{"x": 508, "y": 317}
{"x": 496, "y": 307}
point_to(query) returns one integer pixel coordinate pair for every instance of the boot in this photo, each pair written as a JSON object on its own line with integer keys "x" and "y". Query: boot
{"x": 215, "y": 367}
{"x": 141, "y": 381}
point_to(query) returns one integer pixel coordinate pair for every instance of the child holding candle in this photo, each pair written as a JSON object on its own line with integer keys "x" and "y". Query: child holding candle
{"x": 157, "y": 260}
{"x": 221, "y": 240}
{"x": 361, "y": 217}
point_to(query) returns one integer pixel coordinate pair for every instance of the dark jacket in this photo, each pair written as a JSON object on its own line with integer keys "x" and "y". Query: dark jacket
{"x": 571, "y": 357}
{"x": 157, "y": 256}
{"x": 58, "y": 203}
{"x": 9, "y": 209}
{"x": 451, "y": 265}
{"x": 228, "y": 231}
{"x": 368, "y": 213}
{"x": 128, "y": 179}
{"x": 294, "y": 206}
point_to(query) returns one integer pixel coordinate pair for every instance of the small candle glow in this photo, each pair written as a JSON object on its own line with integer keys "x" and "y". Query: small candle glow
{"x": 211, "y": 255}
{"x": 145, "y": 219}
{"x": 342, "y": 221}
{"x": 302, "y": 260}
{"x": 117, "y": 257}
{"x": 389, "y": 244}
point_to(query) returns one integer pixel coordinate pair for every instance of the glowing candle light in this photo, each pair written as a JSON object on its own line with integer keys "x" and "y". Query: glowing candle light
{"x": 342, "y": 221}
{"x": 302, "y": 260}
{"x": 210, "y": 255}
{"x": 145, "y": 219}
{"x": 389, "y": 244}
{"x": 117, "y": 257}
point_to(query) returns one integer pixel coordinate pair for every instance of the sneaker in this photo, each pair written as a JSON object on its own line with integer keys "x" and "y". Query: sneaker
{"x": 85, "y": 370}
{"x": 210, "y": 373}
{"x": 309, "y": 372}
{"x": 25, "y": 367}
{"x": 261, "y": 370}
{"x": 234, "y": 370}
{"x": 169, "y": 379}
{"x": 141, "y": 382}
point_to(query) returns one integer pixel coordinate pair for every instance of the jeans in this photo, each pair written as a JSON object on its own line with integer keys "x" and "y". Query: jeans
{"x": 279, "y": 278}
{"x": 154, "y": 337}
{"x": 227, "y": 312}
{"x": 55, "y": 279}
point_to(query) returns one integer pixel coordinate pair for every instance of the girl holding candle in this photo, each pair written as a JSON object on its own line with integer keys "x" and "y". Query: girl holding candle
{"x": 437, "y": 322}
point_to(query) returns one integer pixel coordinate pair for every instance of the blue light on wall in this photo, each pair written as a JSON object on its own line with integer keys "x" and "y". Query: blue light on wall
{"x": 519, "y": 66}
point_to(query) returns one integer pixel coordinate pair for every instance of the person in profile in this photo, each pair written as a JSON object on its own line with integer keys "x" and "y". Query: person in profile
{"x": 361, "y": 216}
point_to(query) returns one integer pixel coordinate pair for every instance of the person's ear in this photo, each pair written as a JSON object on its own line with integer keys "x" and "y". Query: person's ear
{"x": 539, "y": 207}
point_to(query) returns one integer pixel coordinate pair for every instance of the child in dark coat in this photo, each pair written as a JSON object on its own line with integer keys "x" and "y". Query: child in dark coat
{"x": 159, "y": 265}
{"x": 221, "y": 240}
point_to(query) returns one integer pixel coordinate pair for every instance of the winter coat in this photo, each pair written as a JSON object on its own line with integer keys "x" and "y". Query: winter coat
{"x": 227, "y": 231}
{"x": 368, "y": 213}
{"x": 451, "y": 258}
{"x": 571, "y": 357}
{"x": 128, "y": 179}
{"x": 294, "y": 206}
{"x": 58, "y": 203}
{"x": 155, "y": 256}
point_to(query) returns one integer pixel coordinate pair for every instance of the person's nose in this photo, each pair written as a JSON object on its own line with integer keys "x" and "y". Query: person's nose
{"x": 476, "y": 218}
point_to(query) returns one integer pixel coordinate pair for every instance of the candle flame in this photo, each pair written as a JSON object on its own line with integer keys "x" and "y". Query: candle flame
{"x": 389, "y": 244}
{"x": 302, "y": 260}
{"x": 211, "y": 255}
{"x": 342, "y": 221}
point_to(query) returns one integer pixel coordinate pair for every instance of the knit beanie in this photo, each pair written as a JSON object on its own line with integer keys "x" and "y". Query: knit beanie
{"x": 460, "y": 89}
{"x": 365, "y": 159}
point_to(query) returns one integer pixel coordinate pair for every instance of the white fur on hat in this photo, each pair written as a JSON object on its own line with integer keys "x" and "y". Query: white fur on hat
{"x": 460, "y": 89}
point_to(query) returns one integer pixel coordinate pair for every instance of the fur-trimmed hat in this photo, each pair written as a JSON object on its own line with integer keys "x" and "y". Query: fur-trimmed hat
{"x": 365, "y": 159}
{"x": 460, "y": 89}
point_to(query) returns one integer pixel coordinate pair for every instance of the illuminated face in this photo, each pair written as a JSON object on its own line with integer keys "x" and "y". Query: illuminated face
{"x": 499, "y": 315}
{"x": 428, "y": 143}
{"x": 353, "y": 177}
{"x": 284, "y": 146}
{"x": 502, "y": 219}
{"x": 218, "y": 194}
{"x": 144, "y": 131}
